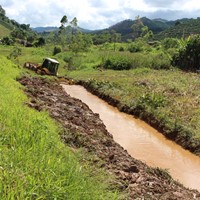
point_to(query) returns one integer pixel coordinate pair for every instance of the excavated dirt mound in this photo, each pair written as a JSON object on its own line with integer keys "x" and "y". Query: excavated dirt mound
{"x": 83, "y": 128}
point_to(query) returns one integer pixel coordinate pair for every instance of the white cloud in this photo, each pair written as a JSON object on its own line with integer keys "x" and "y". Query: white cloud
{"x": 191, "y": 5}
{"x": 95, "y": 14}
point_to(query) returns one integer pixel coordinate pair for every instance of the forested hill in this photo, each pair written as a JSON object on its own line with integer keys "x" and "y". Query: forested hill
{"x": 157, "y": 25}
{"x": 182, "y": 28}
{"x": 12, "y": 31}
{"x": 160, "y": 27}
{"x": 124, "y": 27}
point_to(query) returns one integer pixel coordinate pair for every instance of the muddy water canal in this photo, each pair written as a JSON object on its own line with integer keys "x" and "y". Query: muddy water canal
{"x": 142, "y": 141}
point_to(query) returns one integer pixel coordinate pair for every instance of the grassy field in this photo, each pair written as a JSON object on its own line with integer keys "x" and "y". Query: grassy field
{"x": 34, "y": 163}
{"x": 166, "y": 98}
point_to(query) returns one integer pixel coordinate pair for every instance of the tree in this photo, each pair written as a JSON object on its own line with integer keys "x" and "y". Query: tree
{"x": 63, "y": 21}
{"x": 40, "y": 42}
{"x": 7, "y": 41}
{"x": 25, "y": 26}
{"x": 146, "y": 33}
{"x": 137, "y": 27}
{"x": 115, "y": 37}
{"x": 188, "y": 58}
{"x": 171, "y": 43}
{"x": 2, "y": 11}
{"x": 80, "y": 42}
{"x": 56, "y": 50}
{"x": 104, "y": 37}
{"x": 62, "y": 31}
{"x": 15, "y": 53}
{"x": 140, "y": 30}
{"x": 73, "y": 25}
{"x": 74, "y": 22}
{"x": 19, "y": 33}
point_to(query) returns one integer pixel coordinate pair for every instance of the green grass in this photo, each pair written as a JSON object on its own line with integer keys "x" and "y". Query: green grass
{"x": 34, "y": 164}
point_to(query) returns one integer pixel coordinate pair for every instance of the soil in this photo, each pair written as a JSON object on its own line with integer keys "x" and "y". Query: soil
{"x": 83, "y": 129}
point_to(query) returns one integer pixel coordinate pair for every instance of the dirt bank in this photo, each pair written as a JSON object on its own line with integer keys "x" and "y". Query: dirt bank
{"x": 83, "y": 128}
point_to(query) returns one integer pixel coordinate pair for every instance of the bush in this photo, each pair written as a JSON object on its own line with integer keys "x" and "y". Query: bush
{"x": 7, "y": 41}
{"x": 159, "y": 61}
{"x": 188, "y": 58}
{"x": 56, "y": 50}
{"x": 135, "y": 47}
{"x": 117, "y": 63}
{"x": 170, "y": 43}
{"x": 121, "y": 49}
{"x": 153, "y": 101}
{"x": 139, "y": 45}
{"x": 40, "y": 42}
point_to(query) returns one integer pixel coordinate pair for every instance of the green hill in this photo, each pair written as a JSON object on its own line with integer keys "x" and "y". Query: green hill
{"x": 160, "y": 27}
{"x": 124, "y": 27}
{"x": 18, "y": 31}
{"x": 5, "y": 29}
{"x": 182, "y": 28}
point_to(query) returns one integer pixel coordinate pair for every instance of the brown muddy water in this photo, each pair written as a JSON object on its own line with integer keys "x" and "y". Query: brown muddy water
{"x": 142, "y": 141}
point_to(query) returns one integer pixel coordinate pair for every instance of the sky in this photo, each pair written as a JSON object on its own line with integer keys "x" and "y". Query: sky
{"x": 96, "y": 14}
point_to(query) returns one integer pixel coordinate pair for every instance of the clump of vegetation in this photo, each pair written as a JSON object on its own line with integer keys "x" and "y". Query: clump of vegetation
{"x": 135, "y": 47}
{"x": 56, "y": 50}
{"x": 117, "y": 63}
{"x": 152, "y": 101}
{"x": 7, "y": 40}
{"x": 188, "y": 58}
{"x": 170, "y": 43}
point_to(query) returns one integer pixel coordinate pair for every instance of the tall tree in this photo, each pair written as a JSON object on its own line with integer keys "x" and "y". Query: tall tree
{"x": 74, "y": 24}
{"x": 115, "y": 37}
{"x": 63, "y": 21}
{"x": 62, "y": 31}
{"x": 137, "y": 27}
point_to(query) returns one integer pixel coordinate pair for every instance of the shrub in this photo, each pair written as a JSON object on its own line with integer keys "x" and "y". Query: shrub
{"x": 7, "y": 41}
{"x": 40, "y": 42}
{"x": 56, "y": 50}
{"x": 135, "y": 47}
{"x": 159, "y": 61}
{"x": 139, "y": 45}
{"x": 188, "y": 58}
{"x": 154, "y": 101}
{"x": 121, "y": 49}
{"x": 170, "y": 43}
{"x": 117, "y": 63}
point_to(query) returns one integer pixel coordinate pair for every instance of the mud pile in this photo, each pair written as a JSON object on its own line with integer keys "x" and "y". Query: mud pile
{"x": 83, "y": 128}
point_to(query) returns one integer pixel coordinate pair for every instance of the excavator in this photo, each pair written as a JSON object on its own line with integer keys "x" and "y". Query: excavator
{"x": 48, "y": 67}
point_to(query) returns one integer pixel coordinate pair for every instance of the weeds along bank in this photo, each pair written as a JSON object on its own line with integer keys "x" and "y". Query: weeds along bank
{"x": 166, "y": 99}
{"x": 34, "y": 164}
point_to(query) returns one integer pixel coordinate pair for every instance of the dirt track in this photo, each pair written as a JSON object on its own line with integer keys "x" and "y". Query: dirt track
{"x": 83, "y": 128}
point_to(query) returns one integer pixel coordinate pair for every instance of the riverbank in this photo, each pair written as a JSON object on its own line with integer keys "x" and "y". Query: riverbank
{"x": 88, "y": 132}
{"x": 168, "y": 100}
